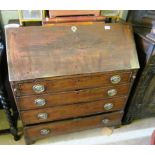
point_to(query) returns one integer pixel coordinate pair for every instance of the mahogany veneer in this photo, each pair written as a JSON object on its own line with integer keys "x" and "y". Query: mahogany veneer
{"x": 70, "y": 77}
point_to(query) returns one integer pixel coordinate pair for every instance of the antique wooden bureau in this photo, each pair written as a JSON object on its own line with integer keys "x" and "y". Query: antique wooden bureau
{"x": 70, "y": 78}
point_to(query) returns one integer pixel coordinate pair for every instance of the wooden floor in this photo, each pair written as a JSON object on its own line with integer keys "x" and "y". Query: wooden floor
{"x": 137, "y": 133}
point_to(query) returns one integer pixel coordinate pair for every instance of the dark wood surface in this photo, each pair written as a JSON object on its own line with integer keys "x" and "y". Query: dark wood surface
{"x": 75, "y": 67}
{"x": 141, "y": 103}
{"x": 141, "y": 18}
{"x": 71, "y": 97}
{"x": 39, "y": 52}
{"x": 72, "y": 111}
{"x": 73, "y": 19}
{"x": 55, "y": 13}
{"x": 53, "y": 85}
{"x": 67, "y": 126}
{"x": 6, "y": 104}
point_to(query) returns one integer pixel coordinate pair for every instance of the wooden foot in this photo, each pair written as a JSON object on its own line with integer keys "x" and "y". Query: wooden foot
{"x": 29, "y": 141}
{"x": 117, "y": 126}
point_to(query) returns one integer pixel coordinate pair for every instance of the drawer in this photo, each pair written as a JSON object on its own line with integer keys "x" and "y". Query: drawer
{"x": 86, "y": 95}
{"x": 73, "y": 83}
{"x": 72, "y": 111}
{"x": 62, "y": 127}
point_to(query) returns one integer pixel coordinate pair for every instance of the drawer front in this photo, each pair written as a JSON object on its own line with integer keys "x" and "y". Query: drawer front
{"x": 61, "y": 127}
{"x": 72, "y": 111}
{"x": 74, "y": 83}
{"x": 31, "y": 102}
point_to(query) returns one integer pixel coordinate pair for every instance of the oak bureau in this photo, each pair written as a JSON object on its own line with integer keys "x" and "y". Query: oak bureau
{"x": 70, "y": 78}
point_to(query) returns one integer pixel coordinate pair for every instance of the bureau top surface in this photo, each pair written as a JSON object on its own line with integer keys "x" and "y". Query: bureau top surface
{"x": 39, "y": 52}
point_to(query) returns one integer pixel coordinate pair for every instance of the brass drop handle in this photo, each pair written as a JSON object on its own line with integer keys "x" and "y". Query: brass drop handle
{"x": 108, "y": 106}
{"x": 112, "y": 92}
{"x": 42, "y": 116}
{"x": 115, "y": 79}
{"x": 38, "y": 88}
{"x": 44, "y": 131}
{"x": 105, "y": 121}
{"x": 40, "y": 102}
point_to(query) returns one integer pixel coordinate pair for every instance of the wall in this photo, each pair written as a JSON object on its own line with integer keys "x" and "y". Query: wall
{"x": 123, "y": 14}
{"x": 6, "y": 15}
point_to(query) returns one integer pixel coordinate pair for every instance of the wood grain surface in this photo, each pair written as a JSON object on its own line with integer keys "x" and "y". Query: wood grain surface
{"x": 54, "y": 85}
{"x": 72, "y": 97}
{"x": 39, "y": 52}
{"x": 61, "y": 127}
{"x": 55, "y": 13}
{"x": 72, "y": 111}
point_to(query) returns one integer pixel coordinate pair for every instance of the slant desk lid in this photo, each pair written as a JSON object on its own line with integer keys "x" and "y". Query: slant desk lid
{"x": 39, "y": 52}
